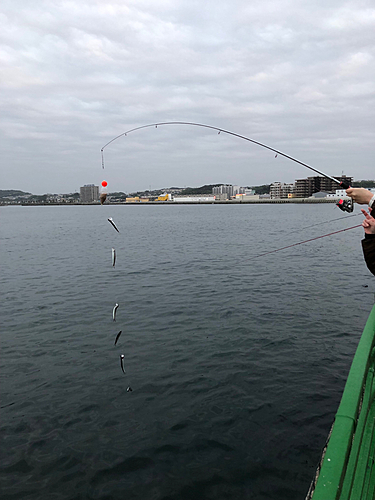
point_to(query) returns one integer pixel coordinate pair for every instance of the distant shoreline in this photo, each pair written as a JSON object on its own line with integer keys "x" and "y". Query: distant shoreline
{"x": 171, "y": 203}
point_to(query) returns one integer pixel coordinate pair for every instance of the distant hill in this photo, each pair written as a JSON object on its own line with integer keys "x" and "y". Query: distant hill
{"x": 364, "y": 184}
{"x": 118, "y": 194}
{"x": 5, "y": 193}
{"x": 206, "y": 189}
{"x": 263, "y": 189}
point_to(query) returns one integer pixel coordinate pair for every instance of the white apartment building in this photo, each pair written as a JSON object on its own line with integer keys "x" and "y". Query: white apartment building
{"x": 231, "y": 190}
{"x": 280, "y": 190}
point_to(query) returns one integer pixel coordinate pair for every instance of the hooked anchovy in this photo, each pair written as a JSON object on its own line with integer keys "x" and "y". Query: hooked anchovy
{"x": 114, "y": 312}
{"x": 113, "y": 224}
{"x": 102, "y": 198}
{"x": 113, "y": 257}
{"x": 118, "y": 336}
{"x": 122, "y": 362}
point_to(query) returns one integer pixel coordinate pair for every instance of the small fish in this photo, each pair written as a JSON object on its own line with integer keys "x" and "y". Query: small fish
{"x": 102, "y": 198}
{"x": 113, "y": 257}
{"x": 275, "y": 155}
{"x": 129, "y": 389}
{"x": 118, "y": 336}
{"x": 114, "y": 312}
{"x": 122, "y": 362}
{"x": 113, "y": 224}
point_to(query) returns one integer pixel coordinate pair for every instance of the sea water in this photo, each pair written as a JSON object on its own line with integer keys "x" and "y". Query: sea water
{"x": 236, "y": 364}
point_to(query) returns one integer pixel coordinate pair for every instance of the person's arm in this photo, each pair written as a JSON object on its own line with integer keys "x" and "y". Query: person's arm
{"x": 362, "y": 196}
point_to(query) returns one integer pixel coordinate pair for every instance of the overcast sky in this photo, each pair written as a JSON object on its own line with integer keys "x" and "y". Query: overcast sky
{"x": 298, "y": 76}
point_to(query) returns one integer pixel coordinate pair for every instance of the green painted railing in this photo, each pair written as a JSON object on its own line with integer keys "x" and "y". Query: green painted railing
{"x": 348, "y": 469}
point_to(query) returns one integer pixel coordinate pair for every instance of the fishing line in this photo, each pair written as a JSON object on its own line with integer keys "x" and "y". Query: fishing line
{"x": 321, "y": 223}
{"x": 302, "y": 242}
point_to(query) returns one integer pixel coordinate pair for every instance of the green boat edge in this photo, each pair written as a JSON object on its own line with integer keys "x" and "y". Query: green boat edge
{"x": 347, "y": 468}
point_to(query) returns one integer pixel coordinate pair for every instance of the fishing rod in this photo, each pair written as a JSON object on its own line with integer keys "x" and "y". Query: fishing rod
{"x": 344, "y": 205}
{"x": 302, "y": 242}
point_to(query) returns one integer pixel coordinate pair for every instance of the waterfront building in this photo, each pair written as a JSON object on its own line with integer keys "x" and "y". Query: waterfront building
{"x": 231, "y": 190}
{"x": 304, "y": 188}
{"x": 89, "y": 193}
{"x": 194, "y": 198}
{"x": 164, "y": 197}
{"x": 247, "y": 191}
{"x": 339, "y": 193}
{"x": 221, "y": 197}
{"x": 281, "y": 190}
{"x": 223, "y": 189}
{"x": 320, "y": 194}
{"x": 247, "y": 197}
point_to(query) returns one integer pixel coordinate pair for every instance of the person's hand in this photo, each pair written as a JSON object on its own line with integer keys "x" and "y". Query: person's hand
{"x": 369, "y": 222}
{"x": 361, "y": 196}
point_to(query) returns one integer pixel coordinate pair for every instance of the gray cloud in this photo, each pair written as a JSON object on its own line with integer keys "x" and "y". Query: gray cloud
{"x": 297, "y": 76}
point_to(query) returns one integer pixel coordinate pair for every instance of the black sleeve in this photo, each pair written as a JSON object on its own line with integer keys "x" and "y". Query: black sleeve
{"x": 368, "y": 246}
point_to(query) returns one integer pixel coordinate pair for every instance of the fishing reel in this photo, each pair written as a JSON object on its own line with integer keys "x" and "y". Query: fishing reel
{"x": 346, "y": 205}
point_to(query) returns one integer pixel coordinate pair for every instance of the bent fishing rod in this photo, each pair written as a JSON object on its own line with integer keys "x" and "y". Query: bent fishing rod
{"x": 344, "y": 205}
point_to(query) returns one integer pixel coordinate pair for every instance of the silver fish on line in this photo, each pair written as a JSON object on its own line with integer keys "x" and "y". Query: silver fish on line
{"x": 118, "y": 336}
{"x": 114, "y": 312}
{"x": 113, "y": 257}
{"x": 122, "y": 362}
{"x": 113, "y": 224}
